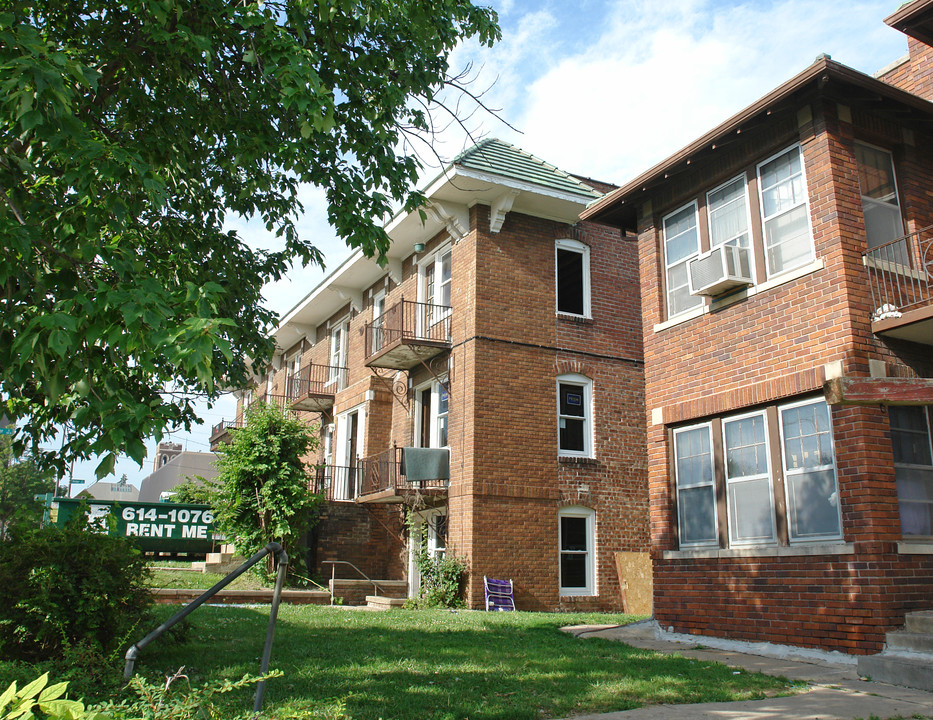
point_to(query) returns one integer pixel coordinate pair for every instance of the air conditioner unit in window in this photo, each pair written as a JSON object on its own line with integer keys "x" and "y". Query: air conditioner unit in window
{"x": 721, "y": 269}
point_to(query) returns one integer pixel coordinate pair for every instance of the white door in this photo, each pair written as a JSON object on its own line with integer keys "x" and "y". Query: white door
{"x": 347, "y": 448}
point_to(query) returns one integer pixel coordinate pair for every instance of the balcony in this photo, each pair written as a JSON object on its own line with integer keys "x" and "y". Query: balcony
{"x": 900, "y": 275}
{"x": 384, "y": 478}
{"x": 338, "y": 483}
{"x": 407, "y": 334}
{"x": 220, "y": 433}
{"x": 313, "y": 389}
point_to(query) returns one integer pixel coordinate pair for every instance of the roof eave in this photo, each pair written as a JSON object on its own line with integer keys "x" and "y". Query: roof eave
{"x": 824, "y": 69}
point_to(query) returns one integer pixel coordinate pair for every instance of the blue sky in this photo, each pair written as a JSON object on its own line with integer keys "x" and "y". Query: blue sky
{"x": 607, "y": 88}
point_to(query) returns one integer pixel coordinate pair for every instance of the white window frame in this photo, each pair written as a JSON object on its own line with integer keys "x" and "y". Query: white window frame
{"x": 805, "y": 203}
{"x": 435, "y": 388}
{"x": 586, "y": 385}
{"x": 789, "y": 473}
{"x": 749, "y": 236}
{"x": 338, "y": 353}
{"x": 578, "y": 511}
{"x": 429, "y": 317}
{"x": 378, "y": 329}
{"x": 714, "y": 542}
{"x": 870, "y": 201}
{"x": 574, "y": 246}
{"x": 730, "y": 482}
{"x": 668, "y": 266}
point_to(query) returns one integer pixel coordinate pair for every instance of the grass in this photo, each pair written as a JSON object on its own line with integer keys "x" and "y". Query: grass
{"x": 440, "y": 665}
{"x": 178, "y": 576}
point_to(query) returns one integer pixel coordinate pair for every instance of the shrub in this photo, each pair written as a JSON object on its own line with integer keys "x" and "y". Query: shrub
{"x": 69, "y": 591}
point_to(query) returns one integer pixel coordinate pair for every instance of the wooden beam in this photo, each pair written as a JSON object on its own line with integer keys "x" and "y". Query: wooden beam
{"x": 879, "y": 391}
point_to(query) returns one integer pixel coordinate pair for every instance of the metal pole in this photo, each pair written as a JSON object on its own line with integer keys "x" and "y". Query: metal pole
{"x": 270, "y": 631}
{"x": 133, "y": 652}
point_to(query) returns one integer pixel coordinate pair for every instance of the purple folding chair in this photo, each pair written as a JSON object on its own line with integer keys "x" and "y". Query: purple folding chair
{"x": 499, "y": 594}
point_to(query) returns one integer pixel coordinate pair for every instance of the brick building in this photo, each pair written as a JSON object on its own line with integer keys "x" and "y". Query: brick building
{"x": 785, "y": 261}
{"x": 489, "y": 380}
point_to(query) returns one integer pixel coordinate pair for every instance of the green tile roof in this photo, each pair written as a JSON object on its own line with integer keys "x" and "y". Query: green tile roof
{"x": 501, "y": 158}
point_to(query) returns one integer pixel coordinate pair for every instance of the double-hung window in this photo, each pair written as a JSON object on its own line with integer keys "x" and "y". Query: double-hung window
{"x": 681, "y": 244}
{"x": 748, "y": 480}
{"x": 576, "y": 542}
{"x": 810, "y": 472}
{"x": 696, "y": 490}
{"x": 573, "y": 278}
{"x": 575, "y": 416}
{"x": 727, "y": 213}
{"x": 740, "y": 472}
{"x": 785, "y": 214}
{"x": 913, "y": 468}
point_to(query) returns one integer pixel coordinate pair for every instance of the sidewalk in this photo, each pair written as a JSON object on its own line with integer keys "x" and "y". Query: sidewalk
{"x": 836, "y": 692}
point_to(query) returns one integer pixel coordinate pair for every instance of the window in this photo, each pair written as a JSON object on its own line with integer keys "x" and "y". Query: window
{"x": 739, "y": 471}
{"x": 748, "y": 480}
{"x": 293, "y": 376}
{"x": 727, "y": 214}
{"x": 681, "y": 244}
{"x": 338, "y": 354}
{"x": 379, "y": 308}
{"x": 696, "y": 491}
{"x": 913, "y": 468}
{"x": 573, "y": 278}
{"x": 576, "y": 543}
{"x": 878, "y": 188}
{"x": 785, "y": 213}
{"x": 810, "y": 472}
{"x": 574, "y": 416}
{"x": 431, "y": 418}
{"x": 434, "y": 293}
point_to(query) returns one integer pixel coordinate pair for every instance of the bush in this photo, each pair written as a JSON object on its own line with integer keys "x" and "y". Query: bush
{"x": 69, "y": 591}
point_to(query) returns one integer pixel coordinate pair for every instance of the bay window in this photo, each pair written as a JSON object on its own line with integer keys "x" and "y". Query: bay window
{"x": 725, "y": 465}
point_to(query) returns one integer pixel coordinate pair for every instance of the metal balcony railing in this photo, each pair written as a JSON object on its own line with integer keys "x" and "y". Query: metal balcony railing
{"x": 314, "y": 387}
{"x": 218, "y": 430}
{"x": 337, "y": 482}
{"x": 383, "y": 471}
{"x": 410, "y": 321}
{"x": 900, "y": 274}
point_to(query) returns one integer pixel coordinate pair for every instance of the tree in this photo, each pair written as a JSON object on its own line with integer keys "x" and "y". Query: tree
{"x": 262, "y": 491}
{"x": 129, "y": 131}
{"x": 21, "y": 479}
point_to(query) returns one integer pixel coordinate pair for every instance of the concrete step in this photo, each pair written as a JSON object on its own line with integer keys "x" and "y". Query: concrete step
{"x": 355, "y": 592}
{"x": 380, "y": 602}
{"x": 913, "y": 642}
{"x": 920, "y": 621}
{"x": 913, "y": 671}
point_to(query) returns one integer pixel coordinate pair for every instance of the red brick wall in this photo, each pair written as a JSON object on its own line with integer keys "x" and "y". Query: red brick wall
{"x": 916, "y": 74}
{"x": 773, "y": 346}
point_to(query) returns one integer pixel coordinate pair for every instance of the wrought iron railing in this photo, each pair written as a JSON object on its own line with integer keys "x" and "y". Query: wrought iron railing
{"x": 280, "y": 401}
{"x": 383, "y": 471}
{"x": 900, "y": 274}
{"x": 313, "y": 379}
{"x": 337, "y": 482}
{"x": 411, "y": 321}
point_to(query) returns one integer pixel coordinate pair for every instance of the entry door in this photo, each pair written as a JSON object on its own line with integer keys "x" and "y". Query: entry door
{"x": 349, "y": 443}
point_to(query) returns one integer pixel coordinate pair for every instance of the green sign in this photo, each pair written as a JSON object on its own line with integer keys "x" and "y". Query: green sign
{"x": 6, "y": 431}
{"x": 155, "y": 527}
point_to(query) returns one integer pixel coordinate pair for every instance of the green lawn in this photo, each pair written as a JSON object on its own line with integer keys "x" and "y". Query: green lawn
{"x": 440, "y": 665}
{"x": 179, "y": 576}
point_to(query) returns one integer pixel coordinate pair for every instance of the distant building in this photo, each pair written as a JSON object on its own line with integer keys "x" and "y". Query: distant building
{"x": 173, "y": 466}
{"x": 116, "y": 491}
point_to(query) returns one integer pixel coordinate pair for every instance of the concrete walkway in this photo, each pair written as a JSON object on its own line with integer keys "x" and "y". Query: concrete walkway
{"x": 835, "y": 693}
